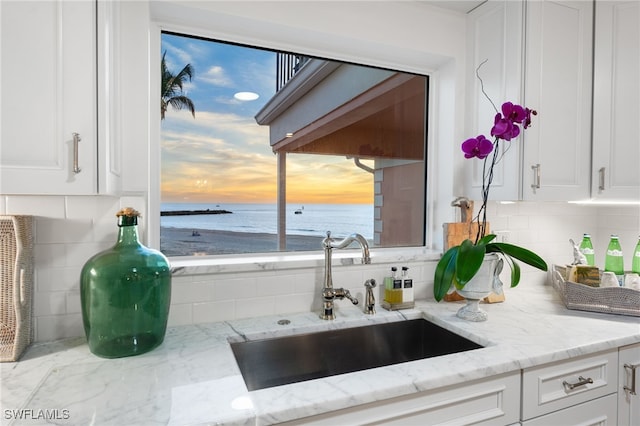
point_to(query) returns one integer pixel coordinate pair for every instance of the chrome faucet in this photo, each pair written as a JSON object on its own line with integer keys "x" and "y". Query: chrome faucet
{"x": 329, "y": 294}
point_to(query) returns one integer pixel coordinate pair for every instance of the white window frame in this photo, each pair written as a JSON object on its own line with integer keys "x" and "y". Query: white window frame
{"x": 165, "y": 17}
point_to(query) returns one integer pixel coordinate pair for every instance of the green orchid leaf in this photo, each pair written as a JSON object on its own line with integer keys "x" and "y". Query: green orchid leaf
{"x": 445, "y": 270}
{"x": 469, "y": 261}
{"x": 486, "y": 239}
{"x": 522, "y": 254}
{"x": 515, "y": 270}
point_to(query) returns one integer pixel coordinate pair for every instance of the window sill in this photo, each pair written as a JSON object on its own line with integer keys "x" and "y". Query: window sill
{"x": 197, "y": 265}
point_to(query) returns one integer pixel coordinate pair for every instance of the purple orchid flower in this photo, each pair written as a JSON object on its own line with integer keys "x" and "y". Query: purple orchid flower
{"x": 504, "y": 128}
{"x": 527, "y": 120}
{"x": 477, "y": 147}
{"x": 514, "y": 113}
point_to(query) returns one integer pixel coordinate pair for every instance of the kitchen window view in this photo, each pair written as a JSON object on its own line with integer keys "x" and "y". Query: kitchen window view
{"x": 266, "y": 151}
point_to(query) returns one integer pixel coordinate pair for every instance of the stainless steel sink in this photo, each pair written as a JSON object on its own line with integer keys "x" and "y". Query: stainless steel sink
{"x": 278, "y": 361}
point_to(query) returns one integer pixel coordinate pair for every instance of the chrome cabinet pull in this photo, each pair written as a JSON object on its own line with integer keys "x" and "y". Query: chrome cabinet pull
{"x": 581, "y": 382}
{"x": 536, "y": 177}
{"x": 601, "y": 179}
{"x": 632, "y": 367}
{"x": 76, "y": 139}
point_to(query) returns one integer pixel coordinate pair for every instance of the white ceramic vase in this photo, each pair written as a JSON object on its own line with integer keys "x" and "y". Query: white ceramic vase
{"x": 479, "y": 287}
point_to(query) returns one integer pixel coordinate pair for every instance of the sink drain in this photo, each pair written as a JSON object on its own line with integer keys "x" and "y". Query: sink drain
{"x": 284, "y": 322}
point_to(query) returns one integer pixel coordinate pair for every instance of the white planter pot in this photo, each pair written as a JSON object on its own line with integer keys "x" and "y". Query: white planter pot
{"x": 479, "y": 287}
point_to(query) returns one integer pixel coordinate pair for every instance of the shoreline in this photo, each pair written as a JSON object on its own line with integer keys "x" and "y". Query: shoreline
{"x": 200, "y": 242}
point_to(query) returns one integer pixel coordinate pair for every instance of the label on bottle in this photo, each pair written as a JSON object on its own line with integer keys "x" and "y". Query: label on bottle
{"x": 397, "y": 284}
{"x": 587, "y": 250}
{"x": 614, "y": 252}
{"x": 408, "y": 283}
{"x": 637, "y": 254}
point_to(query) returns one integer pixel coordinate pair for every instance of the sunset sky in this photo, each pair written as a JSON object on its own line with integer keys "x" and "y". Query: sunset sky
{"x": 223, "y": 155}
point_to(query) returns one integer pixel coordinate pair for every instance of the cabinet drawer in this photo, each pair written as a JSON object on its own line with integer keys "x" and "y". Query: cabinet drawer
{"x": 548, "y": 388}
{"x": 491, "y": 401}
{"x": 600, "y": 412}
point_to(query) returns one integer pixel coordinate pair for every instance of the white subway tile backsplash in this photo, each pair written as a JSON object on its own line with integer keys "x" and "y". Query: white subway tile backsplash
{"x": 57, "y": 279}
{"x": 74, "y": 303}
{"x": 226, "y": 288}
{"x": 180, "y": 314}
{"x": 67, "y": 231}
{"x": 191, "y": 292}
{"x": 518, "y": 222}
{"x": 52, "y": 207}
{"x": 256, "y": 307}
{"x": 49, "y": 303}
{"x": 275, "y": 285}
{"x": 214, "y": 311}
{"x": 54, "y": 327}
{"x": 300, "y": 302}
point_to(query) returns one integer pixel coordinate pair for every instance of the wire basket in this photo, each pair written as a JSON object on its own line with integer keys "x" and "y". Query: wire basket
{"x": 609, "y": 300}
{"x": 16, "y": 285}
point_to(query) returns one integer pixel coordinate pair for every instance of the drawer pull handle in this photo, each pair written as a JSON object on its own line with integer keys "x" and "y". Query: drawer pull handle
{"x": 581, "y": 382}
{"x": 632, "y": 367}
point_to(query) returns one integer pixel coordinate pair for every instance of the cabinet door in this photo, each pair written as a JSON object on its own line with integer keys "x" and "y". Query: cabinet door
{"x": 494, "y": 39}
{"x": 616, "y": 107}
{"x": 628, "y": 403}
{"x": 558, "y": 77}
{"x": 48, "y": 93}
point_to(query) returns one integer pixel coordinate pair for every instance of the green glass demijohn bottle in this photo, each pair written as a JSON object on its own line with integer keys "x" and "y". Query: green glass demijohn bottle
{"x": 125, "y": 293}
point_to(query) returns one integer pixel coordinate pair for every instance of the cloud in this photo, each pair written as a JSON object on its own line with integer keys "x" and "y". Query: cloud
{"x": 215, "y": 75}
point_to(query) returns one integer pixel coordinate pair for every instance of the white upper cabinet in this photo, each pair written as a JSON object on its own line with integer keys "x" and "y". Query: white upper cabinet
{"x": 494, "y": 39}
{"x": 558, "y": 84}
{"x": 616, "y": 107}
{"x": 539, "y": 54}
{"x": 48, "y": 86}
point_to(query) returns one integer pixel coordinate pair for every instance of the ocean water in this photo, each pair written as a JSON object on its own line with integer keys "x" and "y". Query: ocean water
{"x": 315, "y": 220}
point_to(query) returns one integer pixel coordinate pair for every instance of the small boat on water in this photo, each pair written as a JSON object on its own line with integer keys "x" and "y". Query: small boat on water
{"x": 299, "y": 211}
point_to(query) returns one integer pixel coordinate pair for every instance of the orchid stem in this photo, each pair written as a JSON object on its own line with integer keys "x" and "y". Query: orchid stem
{"x": 482, "y": 84}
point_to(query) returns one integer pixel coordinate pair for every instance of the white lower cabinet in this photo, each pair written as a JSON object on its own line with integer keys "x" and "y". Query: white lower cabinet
{"x": 629, "y": 386}
{"x": 597, "y": 389}
{"x": 492, "y": 401}
{"x": 579, "y": 391}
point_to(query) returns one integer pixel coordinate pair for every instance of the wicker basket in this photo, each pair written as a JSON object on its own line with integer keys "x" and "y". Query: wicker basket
{"x": 16, "y": 285}
{"x": 609, "y": 300}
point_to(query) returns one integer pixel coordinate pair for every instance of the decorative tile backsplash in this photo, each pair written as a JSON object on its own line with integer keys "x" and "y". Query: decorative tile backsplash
{"x": 70, "y": 229}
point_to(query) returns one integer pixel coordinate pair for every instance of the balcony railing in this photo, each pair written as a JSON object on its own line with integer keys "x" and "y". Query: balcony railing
{"x": 287, "y": 65}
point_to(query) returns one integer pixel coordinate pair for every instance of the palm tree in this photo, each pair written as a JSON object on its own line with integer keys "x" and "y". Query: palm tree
{"x": 172, "y": 89}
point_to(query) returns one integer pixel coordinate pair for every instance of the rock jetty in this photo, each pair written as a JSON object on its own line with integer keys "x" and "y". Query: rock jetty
{"x": 193, "y": 212}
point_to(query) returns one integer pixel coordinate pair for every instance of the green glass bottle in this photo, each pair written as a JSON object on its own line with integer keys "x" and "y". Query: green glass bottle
{"x": 587, "y": 249}
{"x": 635, "y": 262}
{"x": 125, "y": 293}
{"x": 614, "y": 261}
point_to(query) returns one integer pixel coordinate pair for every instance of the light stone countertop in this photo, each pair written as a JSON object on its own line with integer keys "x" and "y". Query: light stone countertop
{"x": 193, "y": 377}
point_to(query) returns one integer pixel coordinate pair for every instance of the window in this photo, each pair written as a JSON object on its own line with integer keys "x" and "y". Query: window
{"x": 283, "y": 147}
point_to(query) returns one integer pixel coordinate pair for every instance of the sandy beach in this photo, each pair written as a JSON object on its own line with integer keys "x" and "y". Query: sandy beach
{"x": 190, "y": 242}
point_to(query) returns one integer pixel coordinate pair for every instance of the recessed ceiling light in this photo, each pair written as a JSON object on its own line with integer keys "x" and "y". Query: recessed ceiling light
{"x": 246, "y": 96}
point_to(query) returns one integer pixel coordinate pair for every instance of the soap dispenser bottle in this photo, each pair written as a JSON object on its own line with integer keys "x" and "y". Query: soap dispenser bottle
{"x": 388, "y": 285}
{"x": 407, "y": 286}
